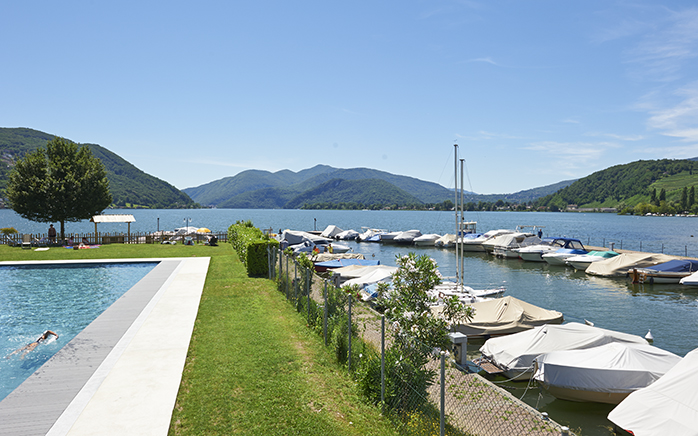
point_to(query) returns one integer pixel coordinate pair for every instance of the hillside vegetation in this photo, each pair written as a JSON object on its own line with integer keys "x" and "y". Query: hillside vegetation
{"x": 665, "y": 183}
{"x": 129, "y": 186}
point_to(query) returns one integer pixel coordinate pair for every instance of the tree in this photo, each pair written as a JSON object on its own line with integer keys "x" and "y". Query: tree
{"x": 60, "y": 183}
{"x": 684, "y": 198}
{"x": 691, "y": 196}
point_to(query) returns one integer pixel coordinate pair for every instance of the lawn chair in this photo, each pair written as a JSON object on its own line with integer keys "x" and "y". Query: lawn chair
{"x": 26, "y": 241}
{"x": 43, "y": 242}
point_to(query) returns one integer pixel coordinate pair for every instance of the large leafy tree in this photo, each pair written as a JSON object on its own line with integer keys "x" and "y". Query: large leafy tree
{"x": 59, "y": 183}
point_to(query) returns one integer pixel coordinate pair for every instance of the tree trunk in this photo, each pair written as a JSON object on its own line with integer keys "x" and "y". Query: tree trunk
{"x": 62, "y": 240}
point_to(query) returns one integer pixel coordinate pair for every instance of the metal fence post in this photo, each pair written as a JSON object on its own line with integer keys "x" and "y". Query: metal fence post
{"x": 383, "y": 364}
{"x": 287, "y": 279}
{"x": 295, "y": 282}
{"x": 324, "y": 317}
{"x": 443, "y": 394}
{"x": 349, "y": 353}
{"x": 308, "y": 282}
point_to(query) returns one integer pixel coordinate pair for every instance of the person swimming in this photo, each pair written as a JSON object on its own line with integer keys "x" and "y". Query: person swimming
{"x": 30, "y": 347}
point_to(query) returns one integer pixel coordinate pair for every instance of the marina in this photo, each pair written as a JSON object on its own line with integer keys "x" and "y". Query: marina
{"x": 669, "y": 311}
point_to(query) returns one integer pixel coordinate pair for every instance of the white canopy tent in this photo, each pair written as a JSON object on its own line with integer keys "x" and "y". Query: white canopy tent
{"x": 113, "y": 218}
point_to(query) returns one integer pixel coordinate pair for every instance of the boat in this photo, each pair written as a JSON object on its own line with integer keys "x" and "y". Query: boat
{"x": 503, "y": 316}
{"x": 603, "y": 374}
{"x": 465, "y": 294}
{"x": 534, "y": 253}
{"x": 559, "y": 257}
{"x": 475, "y": 244}
{"x": 407, "y": 237}
{"x": 428, "y": 240}
{"x": 514, "y": 354}
{"x": 347, "y": 235}
{"x": 666, "y": 273}
{"x": 371, "y": 235}
{"x": 667, "y": 406}
{"x": 339, "y": 263}
{"x": 621, "y": 265}
{"x": 331, "y": 231}
{"x": 508, "y": 245}
{"x": 446, "y": 241}
{"x": 583, "y": 261}
{"x": 691, "y": 280}
{"x": 387, "y": 238}
{"x": 366, "y": 275}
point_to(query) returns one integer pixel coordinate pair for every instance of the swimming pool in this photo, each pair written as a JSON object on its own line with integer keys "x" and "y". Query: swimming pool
{"x": 64, "y": 298}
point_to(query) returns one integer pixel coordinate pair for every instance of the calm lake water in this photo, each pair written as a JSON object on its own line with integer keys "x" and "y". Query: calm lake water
{"x": 670, "y": 312}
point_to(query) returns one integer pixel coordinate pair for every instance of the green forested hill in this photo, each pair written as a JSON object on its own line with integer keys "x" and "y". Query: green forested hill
{"x": 129, "y": 185}
{"x": 627, "y": 185}
{"x": 362, "y": 193}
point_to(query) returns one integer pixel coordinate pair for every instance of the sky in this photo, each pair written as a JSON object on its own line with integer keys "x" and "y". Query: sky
{"x": 534, "y": 92}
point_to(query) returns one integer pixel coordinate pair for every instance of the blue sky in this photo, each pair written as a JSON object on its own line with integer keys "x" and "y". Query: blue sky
{"x": 534, "y": 92}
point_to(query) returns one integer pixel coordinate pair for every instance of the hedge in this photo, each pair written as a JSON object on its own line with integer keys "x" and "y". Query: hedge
{"x": 251, "y": 245}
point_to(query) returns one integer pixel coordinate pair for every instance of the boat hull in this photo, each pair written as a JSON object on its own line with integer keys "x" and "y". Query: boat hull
{"x": 583, "y": 396}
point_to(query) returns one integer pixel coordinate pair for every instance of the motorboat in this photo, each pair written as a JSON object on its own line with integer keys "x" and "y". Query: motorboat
{"x": 406, "y": 238}
{"x": 623, "y": 264}
{"x": 503, "y": 239}
{"x": 667, "y": 406}
{"x": 475, "y": 244}
{"x": 427, "y": 240}
{"x": 603, "y": 374}
{"x": 371, "y": 235}
{"x": 504, "y": 316}
{"x": 331, "y": 231}
{"x": 534, "y": 253}
{"x": 514, "y": 354}
{"x": 558, "y": 257}
{"x": 509, "y": 245}
{"x": 666, "y": 273}
{"x": 583, "y": 261}
{"x": 347, "y": 235}
{"x": 691, "y": 280}
{"x": 387, "y": 238}
{"x": 446, "y": 241}
{"x": 366, "y": 275}
{"x": 465, "y": 294}
{"x": 339, "y": 263}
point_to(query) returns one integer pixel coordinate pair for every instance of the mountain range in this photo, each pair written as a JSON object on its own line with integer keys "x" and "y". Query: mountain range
{"x": 129, "y": 186}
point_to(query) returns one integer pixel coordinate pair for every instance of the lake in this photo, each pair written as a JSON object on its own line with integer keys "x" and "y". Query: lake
{"x": 670, "y": 312}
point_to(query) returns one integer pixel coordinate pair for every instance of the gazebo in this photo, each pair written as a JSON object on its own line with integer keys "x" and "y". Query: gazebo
{"x": 115, "y": 218}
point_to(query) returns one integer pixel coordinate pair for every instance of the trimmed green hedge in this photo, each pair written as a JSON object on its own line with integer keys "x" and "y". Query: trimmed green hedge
{"x": 251, "y": 245}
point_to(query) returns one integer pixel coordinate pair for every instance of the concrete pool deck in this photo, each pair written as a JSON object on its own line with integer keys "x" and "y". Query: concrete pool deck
{"x": 122, "y": 373}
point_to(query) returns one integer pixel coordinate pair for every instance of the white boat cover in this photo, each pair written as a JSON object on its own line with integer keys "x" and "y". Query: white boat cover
{"x": 612, "y": 368}
{"x": 446, "y": 241}
{"x": 295, "y": 237}
{"x": 347, "y": 235}
{"x": 407, "y": 236}
{"x": 667, "y": 407}
{"x": 511, "y": 240}
{"x": 515, "y": 353}
{"x": 503, "y": 316}
{"x": 428, "y": 239}
{"x": 618, "y": 266}
{"x": 370, "y": 274}
{"x": 331, "y": 231}
{"x": 691, "y": 280}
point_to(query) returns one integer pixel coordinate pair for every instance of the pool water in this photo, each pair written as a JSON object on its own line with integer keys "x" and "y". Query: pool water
{"x": 64, "y": 298}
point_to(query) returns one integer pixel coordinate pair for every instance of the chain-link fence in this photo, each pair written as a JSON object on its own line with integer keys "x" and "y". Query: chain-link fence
{"x": 435, "y": 396}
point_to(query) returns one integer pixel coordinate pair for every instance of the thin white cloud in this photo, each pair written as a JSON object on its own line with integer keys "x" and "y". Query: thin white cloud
{"x": 680, "y": 120}
{"x": 663, "y": 52}
{"x": 486, "y": 60}
{"x": 572, "y": 153}
{"x": 617, "y": 136}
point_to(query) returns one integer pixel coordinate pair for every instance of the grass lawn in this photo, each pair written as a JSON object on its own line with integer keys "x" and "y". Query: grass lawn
{"x": 253, "y": 367}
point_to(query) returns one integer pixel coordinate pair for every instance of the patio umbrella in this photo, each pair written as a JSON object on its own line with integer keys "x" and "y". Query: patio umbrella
{"x": 203, "y": 230}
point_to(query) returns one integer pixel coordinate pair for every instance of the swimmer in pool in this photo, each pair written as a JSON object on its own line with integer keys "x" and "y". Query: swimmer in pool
{"x": 29, "y": 347}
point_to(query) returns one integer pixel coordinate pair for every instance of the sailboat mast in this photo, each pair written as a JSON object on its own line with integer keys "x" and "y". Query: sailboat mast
{"x": 455, "y": 208}
{"x": 462, "y": 220}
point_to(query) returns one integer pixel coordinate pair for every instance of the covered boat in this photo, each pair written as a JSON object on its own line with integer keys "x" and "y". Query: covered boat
{"x": 509, "y": 245}
{"x": 446, "y": 241}
{"x": 427, "y": 240}
{"x": 534, "y": 253}
{"x": 406, "y": 237}
{"x": 514, "y": 354}
{"x": 691, "y": 280}
{"x": 503, "y": 316}
{"x": 339, "y": 263}
{"x": 583, "y": 261}
{"x": 365, "y": 275}
{"x": 331, "y": 231}
{"x": 619, "y": 266}
{"x": 560, "y": 256}
{"x": 604, "y": 374}
{"x": 475, "y": 244}
{"x": 347, "y": 235}
{"x": 668, "y": 406}
{"x": 668, "y": 272}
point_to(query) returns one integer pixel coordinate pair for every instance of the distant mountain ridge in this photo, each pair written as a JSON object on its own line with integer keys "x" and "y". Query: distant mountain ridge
{"x": 325, "y": 185}
{"x": 128, "y": 184}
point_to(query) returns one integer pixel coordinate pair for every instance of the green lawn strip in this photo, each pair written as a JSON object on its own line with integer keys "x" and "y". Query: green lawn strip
{"x": 254, "y": 368}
